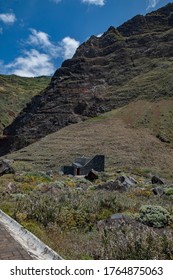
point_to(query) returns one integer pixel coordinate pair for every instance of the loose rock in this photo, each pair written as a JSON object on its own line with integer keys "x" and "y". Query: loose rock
{"x": 5, "y": 168}
{"x": 122, "y": 184}
{"x": 158, "y": 191}
{"x": 157, "y": 180}
{"x": 92, "y": 175}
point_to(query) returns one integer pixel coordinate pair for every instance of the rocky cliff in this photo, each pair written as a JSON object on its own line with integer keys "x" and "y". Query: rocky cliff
{"x": 130, "y": 62}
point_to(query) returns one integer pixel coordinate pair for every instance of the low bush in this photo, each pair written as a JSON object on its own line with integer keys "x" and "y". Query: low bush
{"x": 129, "y": 242}
{"x": 154, "y": 216}
{"x": 41, "y": 208}
{"x": 69, "y": 209}
{"x": 168, "y": 191}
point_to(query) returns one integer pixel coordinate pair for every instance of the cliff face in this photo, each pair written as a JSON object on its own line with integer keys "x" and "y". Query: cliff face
{"x": 105, "y": 73}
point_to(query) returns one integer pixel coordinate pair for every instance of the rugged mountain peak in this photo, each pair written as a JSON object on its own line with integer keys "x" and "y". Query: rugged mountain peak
{"x": 94, "y": 45}
{"x": 106, "y": 72}
{"x": 163, "y": 11}
{"x": 134, "y": 26}
{"x": 159, "y": 20}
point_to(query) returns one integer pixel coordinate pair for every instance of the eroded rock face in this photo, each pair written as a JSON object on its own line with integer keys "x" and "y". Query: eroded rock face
{"x": 93, "y": 81}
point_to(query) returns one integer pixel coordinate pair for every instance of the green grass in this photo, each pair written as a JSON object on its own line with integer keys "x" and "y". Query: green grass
{"x": 126, "y": 139}
{"x": 15, "y": 92}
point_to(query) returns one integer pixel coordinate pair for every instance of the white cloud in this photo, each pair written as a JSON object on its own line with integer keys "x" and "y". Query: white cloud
{"x": 41, "y": 58}
{"x": 95, "y": 2}
{"x": 152, "y": 3}
{"x": 68, "y": 47}
{"x": 31, "y": 64}
{"x": 39, "y": 38}
{"x": 99, "y": 35}
{"x": 65, "y": 48}
{"x": 2, "y": 67}
{"x": 8, "y": 18}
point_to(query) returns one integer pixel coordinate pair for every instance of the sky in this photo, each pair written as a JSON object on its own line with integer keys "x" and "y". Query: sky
{"x": 36, "y": 36}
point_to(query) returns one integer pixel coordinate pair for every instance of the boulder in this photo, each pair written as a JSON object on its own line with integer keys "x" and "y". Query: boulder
{"x": 122, "y": 184}
{"x": 119, "y": 217}
{"x": 92, "y": 175}
{"x": 158, "y": 191}
{"x": 157, "y": 180}
{"x": 127, "y": 181}
{"x": 117, "y": 220}
{"x": 5, "y": 168}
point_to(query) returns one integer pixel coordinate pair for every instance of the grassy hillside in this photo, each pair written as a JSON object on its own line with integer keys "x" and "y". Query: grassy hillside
{"x": 126, "y": 136}
{"x": 68, "y": 213}
{"x": 15, "y": 92}
{"x": 156, "y": 116}
{"x": 153, "y": 80}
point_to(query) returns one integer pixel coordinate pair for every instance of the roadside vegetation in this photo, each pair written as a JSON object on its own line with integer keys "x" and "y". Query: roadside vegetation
{"x": 73, "y": 216}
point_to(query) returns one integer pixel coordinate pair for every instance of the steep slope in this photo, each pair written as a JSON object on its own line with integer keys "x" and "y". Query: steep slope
{"x": 15, "y": 92}
{"x": 131, "y": 62}
{"x": 124, "y": 141}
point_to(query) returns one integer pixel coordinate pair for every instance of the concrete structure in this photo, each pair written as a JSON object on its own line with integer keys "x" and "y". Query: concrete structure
{"x": 16, "y": 242}
{"x": 10, "y": 249}
{"x": 83, "y": 165}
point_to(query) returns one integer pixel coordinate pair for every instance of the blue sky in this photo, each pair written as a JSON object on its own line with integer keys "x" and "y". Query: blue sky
{"x": 37, "y": 35}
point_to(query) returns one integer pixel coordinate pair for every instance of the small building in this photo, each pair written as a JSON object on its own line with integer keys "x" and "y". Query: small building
{"x": 83, "y": 165}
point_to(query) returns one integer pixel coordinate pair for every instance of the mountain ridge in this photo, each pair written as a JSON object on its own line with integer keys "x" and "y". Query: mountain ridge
{"x": 104, "y": 74}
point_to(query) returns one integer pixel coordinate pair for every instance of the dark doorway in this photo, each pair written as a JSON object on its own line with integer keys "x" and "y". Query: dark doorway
{"x": 78, "y": 171}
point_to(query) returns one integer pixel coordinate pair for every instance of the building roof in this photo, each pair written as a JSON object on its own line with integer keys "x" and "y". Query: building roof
{"x": 81, "y": 162}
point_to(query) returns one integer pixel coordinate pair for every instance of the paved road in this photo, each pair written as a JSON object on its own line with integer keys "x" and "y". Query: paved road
{"x": 10, "y": 249}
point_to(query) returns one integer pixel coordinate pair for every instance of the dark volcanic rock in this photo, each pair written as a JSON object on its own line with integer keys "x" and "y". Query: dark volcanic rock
{"x": 92, "y": 81}
{"x": 158, "y": 191}
{"x": 92, "y": 175}
{"x": 117, "y": 220}
{"x": 121, "y": 184}
{"x": 5, "y": 168}
{"x": 163, "y": 138}
{"x": 157, "y": 180}
{"x": 127, "y": 181}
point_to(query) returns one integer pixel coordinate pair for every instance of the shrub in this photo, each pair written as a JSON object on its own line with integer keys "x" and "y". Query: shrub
{"x": 142, "y": 192}
{"x": 70, "y": 183}
{"x": 169, "y": 191}
{"x": 129, "y": 242}
{"x": 69, "y": 209}
{"x": 41, "y": 208}
{"x": 154, "y": 216}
